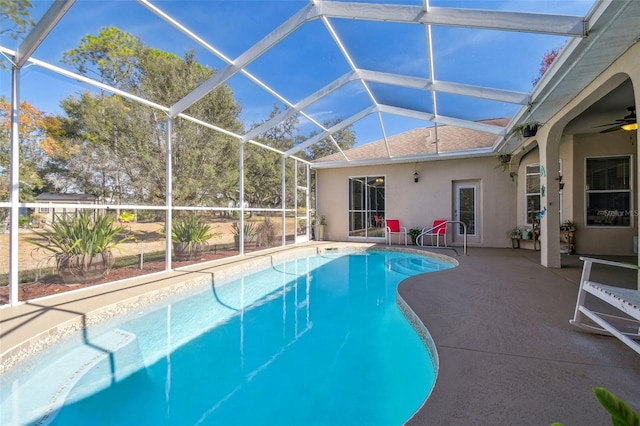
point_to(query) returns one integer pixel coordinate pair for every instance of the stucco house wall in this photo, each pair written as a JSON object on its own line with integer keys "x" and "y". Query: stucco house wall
{"x": 574, "y": 149}
{"x": 602, "y": 240}
{"x": 432, "y": 197}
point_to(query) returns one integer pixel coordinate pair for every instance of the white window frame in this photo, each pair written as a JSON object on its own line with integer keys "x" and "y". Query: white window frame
{"x": 365, "y": 177}
{"x": 631, "y": 213}
{"x": 527, "y": 220}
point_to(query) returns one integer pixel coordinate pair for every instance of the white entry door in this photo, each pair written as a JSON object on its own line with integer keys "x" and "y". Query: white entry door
{"x": 465, "y": 209}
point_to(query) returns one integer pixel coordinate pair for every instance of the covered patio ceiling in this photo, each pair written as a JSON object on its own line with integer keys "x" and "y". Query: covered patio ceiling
{"x": 380, "y": 68}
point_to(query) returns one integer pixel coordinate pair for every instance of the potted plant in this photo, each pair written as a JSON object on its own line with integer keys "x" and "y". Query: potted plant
{"x": 83, "y": 246}
{"x": 414, "y": 233}
{"x": 526, "y": 130}
{"x": 504, "y": 162}
{"x": 516, "y": 235}
{"x": 189, "y": 236}
{"x": 567, "y": 239}
{"x": 249, "y": 232}
{"x": 322, "y": 228}
{"x": 266, "y": 233}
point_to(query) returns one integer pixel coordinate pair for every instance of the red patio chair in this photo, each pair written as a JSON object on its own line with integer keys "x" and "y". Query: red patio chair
{"x": 393, "y": 227}
{"x": 438, "y": 229}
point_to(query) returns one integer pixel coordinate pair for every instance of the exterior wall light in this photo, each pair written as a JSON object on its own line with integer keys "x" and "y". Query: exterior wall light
{"x": 416, "y": 176}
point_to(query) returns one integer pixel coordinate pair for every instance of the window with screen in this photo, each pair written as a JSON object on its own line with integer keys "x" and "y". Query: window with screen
{"x": 608, "y": 191}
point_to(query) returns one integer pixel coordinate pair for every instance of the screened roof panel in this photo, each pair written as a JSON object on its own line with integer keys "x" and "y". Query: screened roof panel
{"x": 490, "y": 58}
{"x": 402, "y": 97}
{"x": 340, "y": 104}
{"x": 232, "y": 26}
{"x": 302, "y": 63}
{"x": 573, "y": 7}
{"x": 305, "y": 127}
{"x": 46, "y": 90}
{"x": 384, "y": 46}
{"x": 473, "y": 108}
{"x": 283, "y": 53}
{"x": 368, "y": 129}
{"x": 257, "y": 103}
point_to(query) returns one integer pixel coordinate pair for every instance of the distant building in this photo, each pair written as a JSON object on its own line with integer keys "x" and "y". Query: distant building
{"x": 51, "y": 213}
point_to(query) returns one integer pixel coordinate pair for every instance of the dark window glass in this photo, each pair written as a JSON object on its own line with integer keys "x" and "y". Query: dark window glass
{"x": 609, "y": 191}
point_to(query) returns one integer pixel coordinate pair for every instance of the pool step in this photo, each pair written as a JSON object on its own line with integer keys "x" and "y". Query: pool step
{"x": 411, "y": 266}
{"x": 41, "y": 396}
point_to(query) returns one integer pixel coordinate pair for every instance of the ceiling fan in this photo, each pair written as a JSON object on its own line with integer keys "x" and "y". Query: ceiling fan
{"x": 628, "y": 122}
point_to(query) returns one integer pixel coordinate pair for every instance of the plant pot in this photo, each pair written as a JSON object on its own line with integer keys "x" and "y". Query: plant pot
{"x": 322, "y": 230}
{"x": 82, "y": 269}
{"x": 182, "y": 251}
{"x": 529, "y": 130}
{"x": 526, "y": 234}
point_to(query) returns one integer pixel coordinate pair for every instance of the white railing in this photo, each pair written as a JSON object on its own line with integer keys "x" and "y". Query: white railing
{"x": 420, "y": 237}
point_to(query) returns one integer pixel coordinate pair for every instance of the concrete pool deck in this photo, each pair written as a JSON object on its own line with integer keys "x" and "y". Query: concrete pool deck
{"x": 508, "y": 355}
{"x": 499, "y": 321}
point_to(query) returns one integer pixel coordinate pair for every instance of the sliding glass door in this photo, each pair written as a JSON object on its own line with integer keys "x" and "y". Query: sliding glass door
{"x": 366, "y": 206}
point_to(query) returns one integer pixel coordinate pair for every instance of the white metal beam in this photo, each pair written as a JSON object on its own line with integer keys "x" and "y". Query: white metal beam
{"x": 469, "y": 153}
{"x": 251, "y": 54}
{"x": 574, "y": 26}
{"x": 283, "y": 115}
{"x": 440, "y": 119}
{"x": 410, "y": 113}
{"x": 42, "y": 28}
{"x": 341, "y": 125}
{"x": 489, "y": 93}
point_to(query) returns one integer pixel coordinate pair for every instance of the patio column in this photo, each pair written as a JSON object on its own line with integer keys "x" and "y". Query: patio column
{"x": 634, "y": 75}
{"x": 14, "y": 194}
{"x": 549, "y": 146}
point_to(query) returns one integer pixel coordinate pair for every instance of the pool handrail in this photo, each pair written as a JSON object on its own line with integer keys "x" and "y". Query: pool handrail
{"x": 464, "y": 237}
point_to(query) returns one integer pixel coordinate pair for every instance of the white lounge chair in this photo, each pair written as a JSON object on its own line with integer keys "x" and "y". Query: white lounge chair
{"x": 626, "y": 326}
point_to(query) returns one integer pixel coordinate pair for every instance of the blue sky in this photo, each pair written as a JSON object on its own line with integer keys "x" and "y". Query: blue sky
{"x": 308, "y": 59}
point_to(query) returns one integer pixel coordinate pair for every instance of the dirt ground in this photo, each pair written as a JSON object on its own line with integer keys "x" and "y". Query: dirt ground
{"x": 149, "y": 239}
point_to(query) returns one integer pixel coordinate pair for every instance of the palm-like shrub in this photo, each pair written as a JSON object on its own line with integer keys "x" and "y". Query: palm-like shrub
{"x": 82, "y": 246}
{"x": 189, "y": 235}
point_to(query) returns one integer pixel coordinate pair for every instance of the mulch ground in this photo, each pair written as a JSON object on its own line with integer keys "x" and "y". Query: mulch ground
{"x": 53, "y": 285}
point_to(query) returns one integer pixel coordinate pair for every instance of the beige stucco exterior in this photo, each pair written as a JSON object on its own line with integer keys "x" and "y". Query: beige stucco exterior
{"x": 573, "y": 152}
{"x": 501, "y": 201}
{"x": 550, "y": 141}
{"x": 417, "y": 205}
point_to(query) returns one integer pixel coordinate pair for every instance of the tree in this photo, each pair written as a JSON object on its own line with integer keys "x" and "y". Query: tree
{"x": 37, "y": 132}
{"x": 111, "y": 56}
{"x": 124, "y": 143}
{"x": 15, "y": 18}
{"x": 345, "y": 138}
{"x": 263, "y": 168}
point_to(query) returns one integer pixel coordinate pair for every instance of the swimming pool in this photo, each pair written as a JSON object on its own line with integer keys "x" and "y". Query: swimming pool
{"x": 316, "y": 340}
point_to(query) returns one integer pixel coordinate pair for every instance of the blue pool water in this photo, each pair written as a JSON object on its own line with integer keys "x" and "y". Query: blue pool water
{"x": 313, "y": 341}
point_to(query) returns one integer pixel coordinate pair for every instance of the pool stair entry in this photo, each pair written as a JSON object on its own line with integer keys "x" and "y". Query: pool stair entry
{"x": 97, "y": 363}
{"x": 413, "y": 266}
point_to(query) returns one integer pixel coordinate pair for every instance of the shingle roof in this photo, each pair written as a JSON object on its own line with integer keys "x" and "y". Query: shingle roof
{"x": 52, "y": 196}
{"x": 422, "y": 141}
